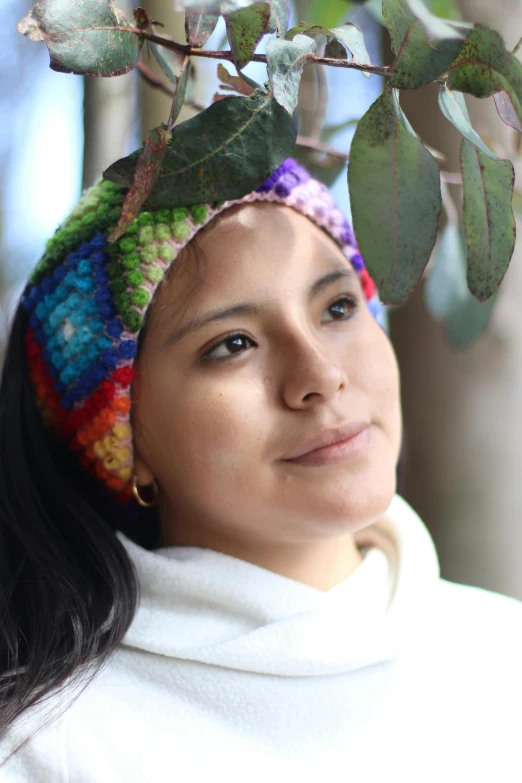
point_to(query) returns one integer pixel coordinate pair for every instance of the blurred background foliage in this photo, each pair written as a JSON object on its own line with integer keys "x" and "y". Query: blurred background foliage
{"x": 462, "y": 416}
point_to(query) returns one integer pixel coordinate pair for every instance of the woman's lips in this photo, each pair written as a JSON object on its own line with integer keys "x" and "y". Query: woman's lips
{"x": 336, "y": 452}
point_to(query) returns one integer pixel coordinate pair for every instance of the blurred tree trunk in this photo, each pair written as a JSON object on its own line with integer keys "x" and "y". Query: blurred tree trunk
{"x": 463, "y": 409}
{"x": 109, "y": 117}
{"x": 155, "y": 104}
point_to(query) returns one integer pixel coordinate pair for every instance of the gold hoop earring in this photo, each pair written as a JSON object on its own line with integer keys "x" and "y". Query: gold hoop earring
{"x": 136, "y": 493}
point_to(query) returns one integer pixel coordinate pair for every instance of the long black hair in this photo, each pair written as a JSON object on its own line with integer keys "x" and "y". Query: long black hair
{"x": 64, "y": 574}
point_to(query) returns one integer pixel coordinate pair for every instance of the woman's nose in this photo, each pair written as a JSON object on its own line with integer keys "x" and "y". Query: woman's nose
{"x": 312, "y": 373}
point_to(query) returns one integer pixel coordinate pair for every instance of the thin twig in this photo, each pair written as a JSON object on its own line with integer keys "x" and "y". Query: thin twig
{"x": 154, "y": 80}
{"x": 321, "y": 103}
{"x": 451, "y": 178}
{"x": 517, "y": 47}
{"x": 313, "y": 144}
{"x": 192, "y": 51}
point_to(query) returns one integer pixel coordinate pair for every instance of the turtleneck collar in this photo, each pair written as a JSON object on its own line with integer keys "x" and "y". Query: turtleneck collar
{"x": 208, "y": 607}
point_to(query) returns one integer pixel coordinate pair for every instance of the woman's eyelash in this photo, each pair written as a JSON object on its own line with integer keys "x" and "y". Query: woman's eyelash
{"x": 235, "y": 335}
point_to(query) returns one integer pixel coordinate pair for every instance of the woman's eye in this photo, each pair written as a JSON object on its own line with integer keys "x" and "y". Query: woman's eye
{"x": 233, "y": 344}
{"x": 342, "y": 308}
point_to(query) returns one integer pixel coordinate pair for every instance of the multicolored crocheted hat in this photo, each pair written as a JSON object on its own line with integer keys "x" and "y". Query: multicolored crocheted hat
{"x": 87, "y": 300}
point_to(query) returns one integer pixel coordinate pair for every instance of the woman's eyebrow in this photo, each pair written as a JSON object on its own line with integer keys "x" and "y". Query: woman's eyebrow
{"x": 250, "y": 308}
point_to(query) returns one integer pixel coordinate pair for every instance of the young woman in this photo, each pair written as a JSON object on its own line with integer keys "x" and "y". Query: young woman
{"x": 205, "y": 568}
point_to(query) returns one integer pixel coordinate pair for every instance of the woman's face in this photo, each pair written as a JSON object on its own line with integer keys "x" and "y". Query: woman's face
{"x": 242, "y": 362}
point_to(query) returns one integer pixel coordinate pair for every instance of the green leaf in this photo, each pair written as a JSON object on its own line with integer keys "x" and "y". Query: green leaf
{"x": 418, "y": 61}
{"x": 79, "y": 37}
{"x": 145, "y": 175}
{"x": 444, "y": 8}
{"x": 329, "y": 131}
{"x": 325, "y": 168}
{"x": 170, "y": 62}
{"x": 436, "y": 28}
{"x": 328, "y": 13}
{"x": 468, "y": 321}
{"x": 485, "y": 67}
{"x": 199, "y": 28}
{"x": 489, "y": 224}
{"x": 446, "y": 288}
{"x": 222, "y": 153}
{"x": 517, "y": 204}
{"x": 279, "y": 16}
{"x": 374, "y": 8}
{"x": 394, "y": 186}
{"x": 453, "y": 106}
{"x": 245, "y": 29}
{"x": 181, "y": 88}
{"x": 285, "y": 62}
{"x": 349, "y": 36}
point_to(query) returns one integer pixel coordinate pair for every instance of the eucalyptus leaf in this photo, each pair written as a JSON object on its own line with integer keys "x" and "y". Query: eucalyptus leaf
{"x": 374, "y": 8}
{"x": 146, "y": 172}
{"x": 285, "y": 62}
{"x": 506, "y": 110}
{"x": 222, "y": 153}
{"x": 170, "y": 62}
{"x": 446, "y": 288}
{"x": 329, "y": 131}
{"x": 418, "y": 60}
{"x": 79, "y": 37}
{"x": 199, "y": 27}
{"x": 245, "y": 29}
{"x": 240, "y": 84}
{"x": 489, "y": 224}
{"x": 485, "y": 67}
{"x": 453, "y": 106}
{"x": 279, "y": 17}
{"x": 517, "y": 204}
{"x": 328, "y": 13}
{"x": 395, "y": 197}
{"x": 437, "y": 28}
{"x": 468, "y": 321}
{"x": 349, "y": 36}
{"x": 181, "y": 88}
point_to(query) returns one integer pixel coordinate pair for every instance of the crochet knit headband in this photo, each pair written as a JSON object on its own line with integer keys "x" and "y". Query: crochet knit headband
{"x": 87, "y": 301}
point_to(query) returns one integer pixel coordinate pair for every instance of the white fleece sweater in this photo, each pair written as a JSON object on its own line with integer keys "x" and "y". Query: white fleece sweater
{"x": 232, "y": 672}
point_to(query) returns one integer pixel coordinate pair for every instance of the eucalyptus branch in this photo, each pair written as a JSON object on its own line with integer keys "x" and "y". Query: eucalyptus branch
{"x": 155, "y": 81}
{"x": 321, "y": 103}
{"x": 313, "y": 144}
{"x": 192, "y": 51}
{"x": 451, "y": 178}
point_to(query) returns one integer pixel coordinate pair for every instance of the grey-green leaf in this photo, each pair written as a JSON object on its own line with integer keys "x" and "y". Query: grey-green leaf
{"x": 485, "y": 67}
{"x": 395, "y": 198}
{"x": 347, "y": 37}
{"x": 351, "y": 36}
{"x": 245, "y": 29}
{"x": 468, "y": 321}
{"x": 489, "y": 224}
{"x": 79, "y": 37}
{"x": 419, "y": 60}
{"x": 222, "y": 153}
{"x": 453, "y": 106}
{"x": 285, "y": 62}
{"x": 446, "y": 288}
{"x": 279, "y": 16}
{"x": 437, "y": 28}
